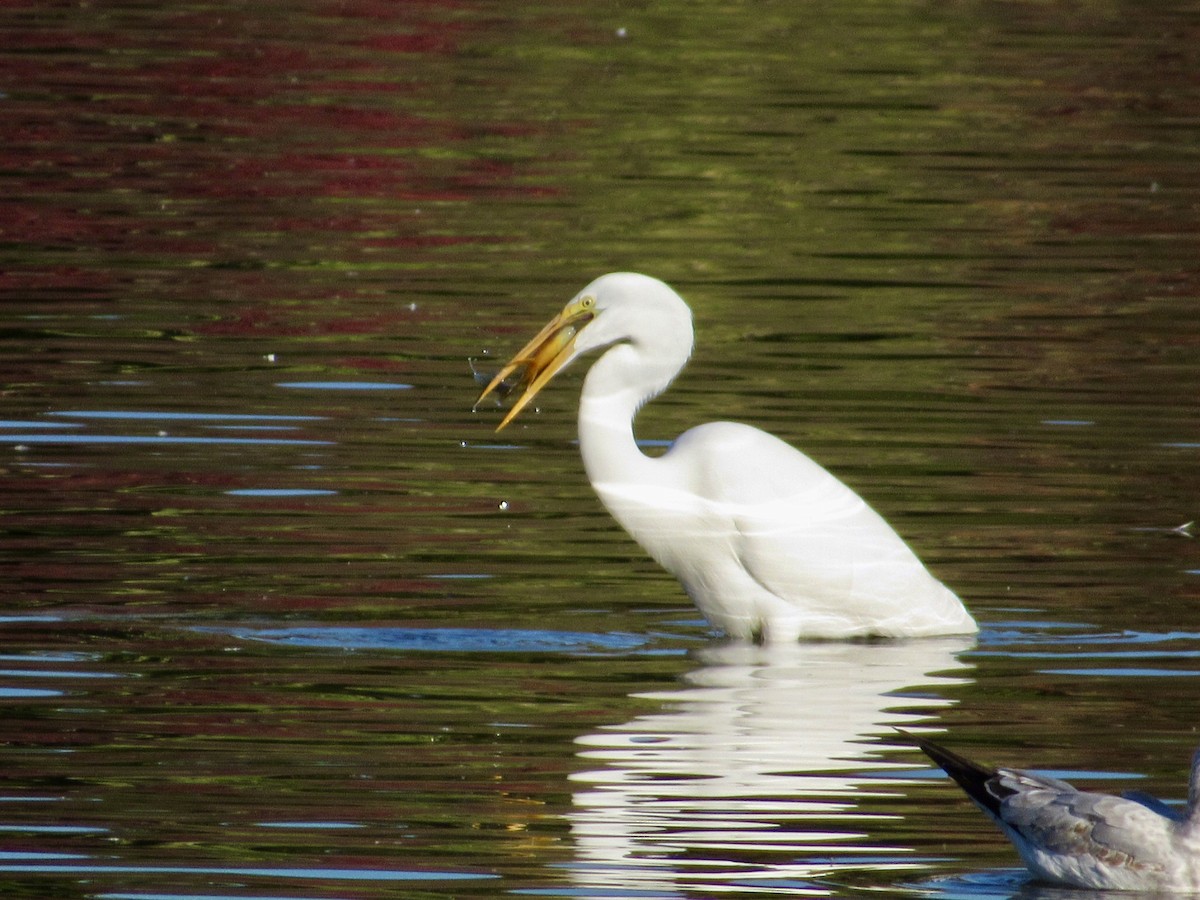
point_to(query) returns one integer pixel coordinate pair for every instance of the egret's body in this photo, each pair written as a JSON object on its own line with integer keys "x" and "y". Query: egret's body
{"x": 1084, "y": 839}
{"x": 767, "y": 543}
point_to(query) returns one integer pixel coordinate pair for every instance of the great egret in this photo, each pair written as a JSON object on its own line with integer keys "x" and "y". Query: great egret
{"x": 1082, "y": 839}
{"x": 767, "y": 544}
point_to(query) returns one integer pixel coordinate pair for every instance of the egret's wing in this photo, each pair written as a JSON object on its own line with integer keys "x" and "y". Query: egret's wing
{"x": 808, "y": 538}
{"x": 817, "y": 542}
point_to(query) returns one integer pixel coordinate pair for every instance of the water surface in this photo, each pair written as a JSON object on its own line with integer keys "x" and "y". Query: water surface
{"x": 285, "y": 618}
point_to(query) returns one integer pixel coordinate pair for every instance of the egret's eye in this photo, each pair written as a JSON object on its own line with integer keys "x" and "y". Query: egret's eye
{"x": 587, "y": 302}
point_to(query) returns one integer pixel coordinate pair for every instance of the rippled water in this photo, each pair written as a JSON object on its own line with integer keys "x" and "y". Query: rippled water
{"x": 285, "y": 618}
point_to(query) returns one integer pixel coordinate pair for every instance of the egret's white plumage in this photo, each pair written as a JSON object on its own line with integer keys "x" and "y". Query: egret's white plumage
{"x": 767, "y": 543}
{"x": 1084, "y": 839}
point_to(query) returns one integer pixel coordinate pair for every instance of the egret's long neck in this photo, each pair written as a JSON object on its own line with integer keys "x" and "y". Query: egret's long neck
{"x": 616, "y": 387}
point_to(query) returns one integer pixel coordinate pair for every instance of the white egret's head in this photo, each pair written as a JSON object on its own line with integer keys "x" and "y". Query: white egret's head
{"x": 622, "y": 306}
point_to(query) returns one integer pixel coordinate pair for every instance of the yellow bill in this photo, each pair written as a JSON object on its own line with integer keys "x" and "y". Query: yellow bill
{"x": 539, "y": 360}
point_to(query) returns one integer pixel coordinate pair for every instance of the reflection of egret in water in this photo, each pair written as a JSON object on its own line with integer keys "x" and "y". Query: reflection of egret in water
{"x": 752, "y": 773}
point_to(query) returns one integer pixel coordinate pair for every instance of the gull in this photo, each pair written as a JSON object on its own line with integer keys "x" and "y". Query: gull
{"x": 1083, "y": 839}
